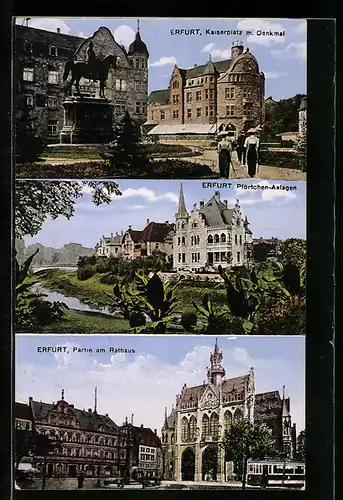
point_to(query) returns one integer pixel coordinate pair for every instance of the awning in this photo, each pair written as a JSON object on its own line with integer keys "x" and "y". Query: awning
{"x": 184, "y": 128}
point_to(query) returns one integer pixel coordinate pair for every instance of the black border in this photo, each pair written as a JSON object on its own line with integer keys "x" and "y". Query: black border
{"x": 320, "y": 228}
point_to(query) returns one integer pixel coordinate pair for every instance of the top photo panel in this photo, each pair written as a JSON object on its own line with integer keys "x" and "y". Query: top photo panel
{"x": 159, "y": 98}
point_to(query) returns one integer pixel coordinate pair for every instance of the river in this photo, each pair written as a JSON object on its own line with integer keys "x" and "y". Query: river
{"x": 72, "y": 302}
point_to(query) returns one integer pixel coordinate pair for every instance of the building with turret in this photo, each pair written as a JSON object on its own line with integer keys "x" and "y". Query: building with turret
{"x": 39, "y": 61}
{"x": 210, "y": 235}
{"x": 203, "y": 100}
{"x": 196, "y": 424}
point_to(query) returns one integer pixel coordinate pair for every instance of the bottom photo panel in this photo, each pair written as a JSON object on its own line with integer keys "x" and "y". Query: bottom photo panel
{"x": 159, "y": 412}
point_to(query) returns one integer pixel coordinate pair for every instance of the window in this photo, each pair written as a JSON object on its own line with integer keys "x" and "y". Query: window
{"x": 137, "y": 63}
{"x": 143, "y": 108}
{"x": 183, "y": 258}
{"x": 176, "y": 113}
{"x": 227, "y": 420}
{"x": 176, "y": 99}
{"x": 138, "y": 108}
{"x": 117, "y": 84}
{"x": 163, "y": 115}
{"x": 198, "y": 95}
{"x": 142, "y": 63}
{"x": 28, "y": 47}
{"x": 211, "y": 110}
{"x": 247, "y": 109}
{"x": 216, "y": 256}
{"x": 214, "y": 425}
{"x": 206, "y": 111}
{"x": 230, "y": 110}
{"x": 123, "y": 108}
{"x": 52, "y": 127}
{"x": 183, "y": 240}
{"x": 223, "y": 256}
{"x": 198, "y": 240}
{"x": 240, "y": 239}
{"x": 53, "y": 51}
{"x": 211, "y": 93}
{"x": 206, "y": 93}
{"x": 205, "y": 426}
{"x": 210, "y": 239}
{"x": 192, "y": 428}
{"x": 198, "y": 112}
{"x": 247, "y": 94}
{"x": 175, "y": 84}
{"x": 29, "y": 100}
{"x": 236, "y": 239}
{"x": 52, "y": 102}
{"x": 53, "y": 77}
{"x": 123, "y": 85}
{"x": 179, "y": 241}
{"x": 223, "y": 238}
{"x": 216, "y": 238}
{"x": 179, "y": 257}
{"x": 230, "y": 93}
{"x": 189, "y": 113}
{"x": 238, "y": 256}
{"x": 28, "y": 74}
{"x": 189, "y": 96}
{"x": 248, "y": 255}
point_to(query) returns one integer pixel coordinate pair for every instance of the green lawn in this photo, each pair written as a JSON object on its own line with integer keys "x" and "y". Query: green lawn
{"x": 86, "y": 322}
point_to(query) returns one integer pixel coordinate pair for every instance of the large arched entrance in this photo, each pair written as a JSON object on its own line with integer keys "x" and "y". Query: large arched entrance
{"x": 188, "y": 465}
{"x": 209, "y": 463}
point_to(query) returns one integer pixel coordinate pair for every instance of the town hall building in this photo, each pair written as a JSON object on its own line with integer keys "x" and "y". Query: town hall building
{"x": 193, "y": 430}
{"x": 210, "y": 235}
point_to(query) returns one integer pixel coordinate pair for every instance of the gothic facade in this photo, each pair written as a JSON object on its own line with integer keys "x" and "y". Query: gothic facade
{"x": 210, "y": 235}
{"x": 208, "y": 98}
{"x": 39, "y": 63}
{"x": 193, "y": 430}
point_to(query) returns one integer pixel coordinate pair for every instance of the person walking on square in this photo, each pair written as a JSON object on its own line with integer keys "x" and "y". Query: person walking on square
{"x": 240, "y": 148}
{"x": 224, "y": 152}
{"x": 80, "y": 481}
{"x": 252, "y": 144}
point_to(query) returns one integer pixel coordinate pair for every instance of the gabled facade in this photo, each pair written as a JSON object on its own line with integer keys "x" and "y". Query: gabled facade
{"x": 109, "y": 245}
{"x": 155, "y": 237}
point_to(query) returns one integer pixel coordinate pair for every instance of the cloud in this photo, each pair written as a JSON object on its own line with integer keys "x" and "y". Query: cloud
{"x": 293, "y": 50}
{"x": 47, "y": 23}
{"x": 148, "y": 194}
{"x": 140, "y": 383}
{"x": 273, "y": 74}
{"x": 124, "y": 35}
{"x": 301, "y": 27}
{"x": 263, "y": 25}
{"x": 163, "y": 61}
{"x": 136, "y": 207}
{"x": 208, "y": 47}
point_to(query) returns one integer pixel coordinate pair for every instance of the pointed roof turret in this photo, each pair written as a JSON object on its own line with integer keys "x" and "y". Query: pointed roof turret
{"x": 182, "y": 211}
{"x": 216, "y": 371}
{"x": 138, "y": 46}
{"x": 209, "y": 68}
{"x": 285, "y": 412}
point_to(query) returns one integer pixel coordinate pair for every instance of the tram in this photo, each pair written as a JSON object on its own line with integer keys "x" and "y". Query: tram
{"x": 276, "y": 473}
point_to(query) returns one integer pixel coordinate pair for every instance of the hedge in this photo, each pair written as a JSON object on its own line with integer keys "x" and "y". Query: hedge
{"x": 285, "y": 159}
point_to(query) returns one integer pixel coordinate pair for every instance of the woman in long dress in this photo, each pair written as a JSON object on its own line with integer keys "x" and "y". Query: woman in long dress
{"x": 252, "y": 144}
{"x": 224, "y": 151}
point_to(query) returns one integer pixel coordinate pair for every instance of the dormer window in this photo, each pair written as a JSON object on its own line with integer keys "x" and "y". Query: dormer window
{"x": 53, "y": 51}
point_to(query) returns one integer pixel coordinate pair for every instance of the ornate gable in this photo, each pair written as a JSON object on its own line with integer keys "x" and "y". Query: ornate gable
{"x": 104, "y": 44}
{"x": 209, "y": 400}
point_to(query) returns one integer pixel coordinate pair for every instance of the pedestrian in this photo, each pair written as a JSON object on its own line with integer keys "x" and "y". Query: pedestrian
{"x": 80, "y": 481}
{"x": 264, "y": 479}
{"x": 240, "y": 148}
{"x": 252, "y": 144}
{"x": 224, "y": 152}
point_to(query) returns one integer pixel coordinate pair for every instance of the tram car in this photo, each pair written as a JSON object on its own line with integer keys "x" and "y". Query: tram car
{"x": 276, "y": 473}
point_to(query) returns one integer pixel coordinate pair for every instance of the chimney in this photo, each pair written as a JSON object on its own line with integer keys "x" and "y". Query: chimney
{"x": 202, "y": 204}
{"x": 236, "y": 49}
{"x": 130, "y": 227}
{"x": 121, "y": 233}
{"x": 106, "y": 414}
{"x": 111, "y": 235}
{"x": 167, "y": 222}
{"x": 195, "y": 65}
{"x": 89, "y": 410}
{"x": 155, "y": 431}
{"x": 58, "y": 30}
{"x": 132, "y": 419}
{"x": 141, "y": 426}
{"x": 147, "y": 222}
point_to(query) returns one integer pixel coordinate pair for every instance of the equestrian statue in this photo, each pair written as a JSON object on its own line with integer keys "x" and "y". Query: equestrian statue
{"x": 94, "y": 69}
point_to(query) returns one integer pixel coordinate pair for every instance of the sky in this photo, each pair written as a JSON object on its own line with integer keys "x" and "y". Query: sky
{"x": 271, "y": 212}
{"x": 282, "y": 59}
{"x": 147, "y": 380}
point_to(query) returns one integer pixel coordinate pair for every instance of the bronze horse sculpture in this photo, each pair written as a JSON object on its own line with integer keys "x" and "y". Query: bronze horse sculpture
{"x": 81, "y": 69}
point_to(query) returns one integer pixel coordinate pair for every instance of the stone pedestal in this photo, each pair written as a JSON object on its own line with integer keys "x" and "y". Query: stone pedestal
{"x": 87, "y": 120}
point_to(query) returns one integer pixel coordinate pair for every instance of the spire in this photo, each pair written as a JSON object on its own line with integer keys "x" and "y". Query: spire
{"x": 210, "y": 58}
{"x": 62, "y": 395}
{"x": 165, "y": 419}
{"x": 216, "y": 373}
{"x": 137, "y": 25}
{"x": 285, "y": 412}
{"x": 182, "y": 212}
{"x": 95, "y": 399}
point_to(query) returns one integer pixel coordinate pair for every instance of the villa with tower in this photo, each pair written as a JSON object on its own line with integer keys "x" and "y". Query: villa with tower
{"x": 192, "y": 431}
{"x": 206, "y": 99}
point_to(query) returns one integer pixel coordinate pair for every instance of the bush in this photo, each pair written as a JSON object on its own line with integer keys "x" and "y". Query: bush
{"x": 285, "y": 159}
{"x": 84, "y": 273}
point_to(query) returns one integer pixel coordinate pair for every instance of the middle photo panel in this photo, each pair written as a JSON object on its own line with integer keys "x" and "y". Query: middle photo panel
{"x": 154, "y": 256}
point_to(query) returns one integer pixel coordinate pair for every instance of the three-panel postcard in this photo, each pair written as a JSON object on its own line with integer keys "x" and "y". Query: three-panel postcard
{"x": 173, "y": 307}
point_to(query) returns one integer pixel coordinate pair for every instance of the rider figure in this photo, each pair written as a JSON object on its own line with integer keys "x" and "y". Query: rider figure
{"x": 92, "y": 61}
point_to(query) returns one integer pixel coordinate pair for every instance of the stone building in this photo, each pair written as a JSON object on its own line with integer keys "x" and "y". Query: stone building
{"x": 302, "y": 118}
{"x": 23, "y": 416}
{"x": 223, "y": 95}
{"x": 192, "y": 432}
{"x": 39, "y": 62}
{"x": 155, "y": 237}
{"x": 92, "y": 444}
{"x": 109, "y": 245}
{"x": 211, "y": 235}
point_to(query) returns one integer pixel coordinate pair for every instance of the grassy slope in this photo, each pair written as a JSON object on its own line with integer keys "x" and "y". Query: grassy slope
{"x": 83, "y": 322}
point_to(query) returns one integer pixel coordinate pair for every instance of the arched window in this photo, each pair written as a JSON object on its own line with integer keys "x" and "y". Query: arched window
{"x": 166, "y": 438}
{"x": 53, "y": 51}
{"x": 240, "y": 239}
{"x": 172, "y": 438}
{"x": 205, "y": 426}
{"x": 192, "y": 240}
{"x": 210, "y": 239}
{"x": 238, "y": 222}
{"x": 238, "y": 415}
{"x": 223, "y": 238}
{"x": 214, "y": 426}
{"x": 183, "y": 240}
{"x": 182, "y": 225}
{"x": 184, "y": 430}
{"x": 179, "y": 241}
{"x": 236, "y": 238}
{"x": 198, "y": 240}
{"x": 229, "y": 238}
{"x": 175, "y": 84}
{"x": 192, "y": 428}
{"x": 216, "y": 238}
{"x": 227, "y": 420}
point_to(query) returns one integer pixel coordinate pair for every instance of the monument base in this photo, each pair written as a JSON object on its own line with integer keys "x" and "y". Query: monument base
{"x": 87, "y": 120}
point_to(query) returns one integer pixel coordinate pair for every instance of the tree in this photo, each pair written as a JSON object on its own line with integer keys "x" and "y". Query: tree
{"x": 28, "y": 146}
{"x": 126, "y": 151}
{"x": 261, "y": 251}
{"x": 246, "y": 440}
{"x": 301, "y": 446}
{"x": 293, "y": 251}
{"x": 35, "y": 201}
{"x": 281, "y": 116}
